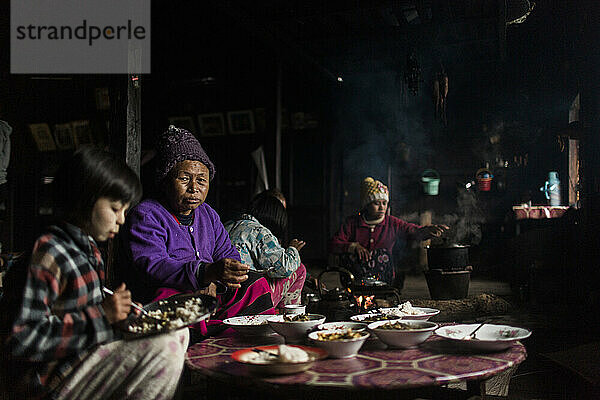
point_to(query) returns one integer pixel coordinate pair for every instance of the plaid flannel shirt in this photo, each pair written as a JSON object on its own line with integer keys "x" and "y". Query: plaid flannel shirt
{"x": 260, "y": 249}
{"x": 60, "y": 318}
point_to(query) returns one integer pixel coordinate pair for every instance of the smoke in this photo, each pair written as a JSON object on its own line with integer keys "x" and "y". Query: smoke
{"x": 381, "y": 128}
{"x": 465, "y": 225}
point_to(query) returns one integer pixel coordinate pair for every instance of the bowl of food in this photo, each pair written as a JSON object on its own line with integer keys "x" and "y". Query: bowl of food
{"x": 343, "y": 325}
{"x": 294, "y": 328}
{"x": 252, "y": 325}
{"x": 341, "y": 343}
{"x": 368, "y": 318}
{"x": 408, "y": 311}
{"x": 278, "y": 359}
{"x": 403, "y": 334}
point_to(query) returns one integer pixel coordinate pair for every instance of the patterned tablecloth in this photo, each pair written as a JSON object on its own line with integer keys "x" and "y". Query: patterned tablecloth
{"x": 432, "y": 364}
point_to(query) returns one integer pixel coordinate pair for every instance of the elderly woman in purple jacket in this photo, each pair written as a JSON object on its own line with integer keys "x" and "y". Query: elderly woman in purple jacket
{"x": 177, "y": 242}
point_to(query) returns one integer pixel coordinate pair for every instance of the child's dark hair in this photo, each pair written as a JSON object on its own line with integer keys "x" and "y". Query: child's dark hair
{"x": 89, "y": 174}
{"x": 269, "y": 211}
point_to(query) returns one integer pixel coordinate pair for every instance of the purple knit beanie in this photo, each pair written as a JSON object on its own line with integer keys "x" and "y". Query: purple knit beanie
{"x": 175, "y": 145}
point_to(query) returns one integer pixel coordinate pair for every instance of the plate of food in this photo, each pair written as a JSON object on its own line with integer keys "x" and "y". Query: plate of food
{"x": 256, "y": 325}
{"x": 278, "y": 359}
{"x": 169, "y": 314}
{"x": 489, "y": 337}
{"x": 408, "y": 311}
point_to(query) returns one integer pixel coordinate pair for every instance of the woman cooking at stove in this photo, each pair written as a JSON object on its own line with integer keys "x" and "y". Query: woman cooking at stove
{"x": 177, "y": 242}
{"x": 365, "y": 240}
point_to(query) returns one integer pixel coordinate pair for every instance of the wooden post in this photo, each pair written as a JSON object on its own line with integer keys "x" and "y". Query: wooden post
{"x": 278, "y": 111}
{"x": 133, "y": 145}
{"x": 573, "y": 171}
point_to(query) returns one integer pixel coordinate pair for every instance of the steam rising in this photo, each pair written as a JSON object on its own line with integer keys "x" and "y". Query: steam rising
{"x": 465, "y": 226}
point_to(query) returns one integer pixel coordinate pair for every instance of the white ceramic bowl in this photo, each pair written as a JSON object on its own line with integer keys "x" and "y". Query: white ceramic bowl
{"x": 368, "y": 318}
{"x": 295, "y": 331}
{"x": 342, "y": 348}
{"x": 420, "y": 313}
{"x": 251, "y": 325}
{"x": 293, "y": 309}
{"x": 404, "y": 338}
{"x": 333, "y": 326}
{"x": 489, "y": 337}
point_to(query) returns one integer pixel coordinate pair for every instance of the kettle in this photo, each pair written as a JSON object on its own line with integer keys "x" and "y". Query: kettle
{"x": 551, "y": 188}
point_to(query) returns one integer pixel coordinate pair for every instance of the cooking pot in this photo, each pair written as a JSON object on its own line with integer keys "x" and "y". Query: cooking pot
{"x": 448, "y": 257}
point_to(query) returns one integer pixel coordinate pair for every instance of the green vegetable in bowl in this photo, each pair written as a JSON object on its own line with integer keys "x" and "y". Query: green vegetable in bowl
{"x": 396, "y": 325}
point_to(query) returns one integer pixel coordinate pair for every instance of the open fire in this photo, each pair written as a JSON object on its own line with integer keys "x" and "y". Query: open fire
{"x": 363, "y": 302}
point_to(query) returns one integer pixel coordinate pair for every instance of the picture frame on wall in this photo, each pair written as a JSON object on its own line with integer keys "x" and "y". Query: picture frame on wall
{"x": 184, "y": 122}
{"x": 240, "y": 122}
{"x": 63, "y": 136}
{"x": 211, "y": 124}
{"x": 42, "y": 137}
{"x": 82, "y": 133}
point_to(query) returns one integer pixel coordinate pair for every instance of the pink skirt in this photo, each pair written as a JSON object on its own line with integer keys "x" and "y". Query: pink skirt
{"x": 254, "y": 297}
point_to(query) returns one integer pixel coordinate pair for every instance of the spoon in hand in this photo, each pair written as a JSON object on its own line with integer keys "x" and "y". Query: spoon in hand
{"x": 111, "y": 293}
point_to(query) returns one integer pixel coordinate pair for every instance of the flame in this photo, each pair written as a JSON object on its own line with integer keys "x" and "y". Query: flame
{"x": 364, "y": 302}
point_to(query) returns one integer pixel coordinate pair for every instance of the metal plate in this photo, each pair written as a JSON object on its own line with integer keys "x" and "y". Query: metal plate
{"x": 208, "y": 305}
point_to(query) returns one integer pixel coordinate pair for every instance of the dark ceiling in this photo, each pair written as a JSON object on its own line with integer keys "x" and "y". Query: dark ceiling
{"x": 336, "y": 37}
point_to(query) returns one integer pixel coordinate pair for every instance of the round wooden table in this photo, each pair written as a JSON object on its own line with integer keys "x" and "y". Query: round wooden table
{"x": 432, "y": 365}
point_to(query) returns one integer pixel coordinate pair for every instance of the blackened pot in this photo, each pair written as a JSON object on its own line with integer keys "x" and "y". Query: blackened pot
{"x": 448, "y": 285}
{"x": 448, "y": 257}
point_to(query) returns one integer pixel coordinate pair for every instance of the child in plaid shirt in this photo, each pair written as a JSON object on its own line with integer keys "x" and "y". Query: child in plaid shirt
{"x": 56, "y": 324}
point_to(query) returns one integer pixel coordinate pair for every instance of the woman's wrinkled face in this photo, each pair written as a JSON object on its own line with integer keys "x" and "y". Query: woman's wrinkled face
{"x": 187, "y": 186}
{"x": 107, "y": 215}
{"x": 377, "y": 209}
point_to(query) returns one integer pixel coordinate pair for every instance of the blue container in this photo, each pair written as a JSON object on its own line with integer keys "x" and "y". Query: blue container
{"x": 551, "y": 188}
{"x": 431, "y": 182}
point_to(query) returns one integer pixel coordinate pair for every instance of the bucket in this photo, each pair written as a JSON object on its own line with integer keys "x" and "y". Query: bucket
{"x": 431, "y": 182}
{"x": 484, "y": 179}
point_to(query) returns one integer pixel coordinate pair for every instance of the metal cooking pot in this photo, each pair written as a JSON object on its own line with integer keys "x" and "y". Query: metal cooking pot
{"x": 448, "y": 257}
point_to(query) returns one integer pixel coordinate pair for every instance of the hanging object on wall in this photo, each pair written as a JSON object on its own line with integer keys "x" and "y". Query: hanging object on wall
{"x": 440, "y": 93}
{"x": 412, "y": 74}
{"x": 517, "y": 11}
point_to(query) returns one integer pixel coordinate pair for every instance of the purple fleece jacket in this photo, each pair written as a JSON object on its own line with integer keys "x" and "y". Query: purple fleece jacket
{"x": 169, "y": 253}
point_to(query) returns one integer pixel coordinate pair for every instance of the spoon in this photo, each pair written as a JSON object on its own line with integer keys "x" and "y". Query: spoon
{"x": 111, "y": 293}
{"x": 471, "y": 335}
{"x": 259, "y": 351}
